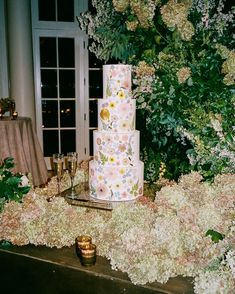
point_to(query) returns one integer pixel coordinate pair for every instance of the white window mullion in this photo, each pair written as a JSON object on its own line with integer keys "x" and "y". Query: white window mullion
{"x": 4, "y": 87}
{"x": 58, "y": 89}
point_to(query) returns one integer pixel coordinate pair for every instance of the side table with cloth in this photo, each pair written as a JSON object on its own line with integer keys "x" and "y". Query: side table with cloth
{"x": 19, "y": 140}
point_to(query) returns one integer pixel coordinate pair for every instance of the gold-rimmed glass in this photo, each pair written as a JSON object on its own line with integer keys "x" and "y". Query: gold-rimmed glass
{"x": 71, "y": 163}
{"x": 58, "y": 167}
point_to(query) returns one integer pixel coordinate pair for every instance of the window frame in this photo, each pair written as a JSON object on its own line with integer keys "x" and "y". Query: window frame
{"x": 64, "y": 30}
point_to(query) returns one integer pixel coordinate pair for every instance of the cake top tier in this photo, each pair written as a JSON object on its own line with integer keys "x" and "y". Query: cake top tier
{"x": 117, "y": 80}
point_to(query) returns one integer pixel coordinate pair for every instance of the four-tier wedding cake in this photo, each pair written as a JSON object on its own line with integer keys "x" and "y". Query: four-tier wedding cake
{"x": 116, "y": 173}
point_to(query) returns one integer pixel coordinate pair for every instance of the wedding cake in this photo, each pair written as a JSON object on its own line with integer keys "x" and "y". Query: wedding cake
{"x": 116, "y": 173}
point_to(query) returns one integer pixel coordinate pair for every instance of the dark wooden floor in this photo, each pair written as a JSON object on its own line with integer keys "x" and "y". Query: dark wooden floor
{"x": 31, "y": 269}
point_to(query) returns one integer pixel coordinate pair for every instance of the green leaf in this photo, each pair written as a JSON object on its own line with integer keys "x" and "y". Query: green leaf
{"x": 13, "y": 181}
{"x": 8, "y": 162}
{"x": 215, "y": 236}
{"x": 108, "y": 92}
{"x": 10, "y": 188}
{"x": 24, "y": 189}
{"x": 5, "y": 244}
{"x": 134, "y": 188}
{"x": 103, "y": 158}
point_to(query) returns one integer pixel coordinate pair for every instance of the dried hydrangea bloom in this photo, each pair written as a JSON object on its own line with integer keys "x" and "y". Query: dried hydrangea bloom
{"x": 186, "y": 30}
{"x": 229, "y": 65}
{"x": 144, "y": 69}
{"x": 173, "y": 13}
{"x": 228, "y": 68}
{"x": 120, "y": 5}
{"x": 144, "y": 10}
{"x": 229, "y": 79}
{"x": 85, "y": 165}
{"x": 222, "y": 50}
{"x": 132, "y": 25}
{"x": 214, "y": 281}
{"x": 183, "y": 74}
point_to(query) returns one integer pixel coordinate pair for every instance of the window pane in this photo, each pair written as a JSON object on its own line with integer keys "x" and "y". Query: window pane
{"x": 46, "y": 10}
{"x": 48, "y": 52}
{"x": 66, "y": 52}
{"x": 50, "y": 142}
{"x": 91, "y": 7}
{"x": 91, "y": 142}
{"x": 93, "y": 113}
{"x": 65, "y": 10}
{"x": 49, "y": 83}
{"x": 49, "y": 114}
{"x": 67, "y": 83}
{"x": 68, "y": 143}
{"x": 94, "y": 62}
{"x": 95, "y": 84}
{"x": 67, "y": 113}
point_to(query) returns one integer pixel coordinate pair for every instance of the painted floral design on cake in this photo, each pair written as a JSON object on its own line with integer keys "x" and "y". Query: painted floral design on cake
{"x": 116, "y": 149}
{"x": 117, "y": 81}
{"x": 116, "y": 173}
{"x": 115, "y": 184}
{"x": 116, "y": 115}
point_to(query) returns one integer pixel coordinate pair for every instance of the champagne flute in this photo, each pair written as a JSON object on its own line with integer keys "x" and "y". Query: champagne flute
{"x": 72, "y": 158}
{"x": 58, "y": 166}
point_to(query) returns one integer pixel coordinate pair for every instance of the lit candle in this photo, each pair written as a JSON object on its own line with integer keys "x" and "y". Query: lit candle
{"x": 14, "y": 115}
{"x": 82, "y": 241}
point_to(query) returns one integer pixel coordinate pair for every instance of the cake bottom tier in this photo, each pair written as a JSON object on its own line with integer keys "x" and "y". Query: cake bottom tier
{"x": 119, "y": 183}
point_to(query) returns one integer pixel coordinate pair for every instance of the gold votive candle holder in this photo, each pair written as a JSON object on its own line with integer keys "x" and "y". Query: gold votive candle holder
{"x": 82, "y": 241}
{"x": 88, "y": 254}
{"x": 14, "y": 115}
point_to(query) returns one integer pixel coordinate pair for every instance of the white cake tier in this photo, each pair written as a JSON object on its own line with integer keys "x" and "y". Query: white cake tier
{"x": 116, "y": 149}
{"x": 116, "y": 114}
{"x": 117, "y": 81}
{"x": 116, "y": 183}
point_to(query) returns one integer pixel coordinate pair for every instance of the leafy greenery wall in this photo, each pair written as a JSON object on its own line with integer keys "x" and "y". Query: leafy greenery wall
{"x": 183, "y": 60}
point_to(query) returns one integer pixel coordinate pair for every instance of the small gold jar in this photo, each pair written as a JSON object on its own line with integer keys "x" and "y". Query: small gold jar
{"x": 88, "y": 254}
{"x": 82, "y": 241}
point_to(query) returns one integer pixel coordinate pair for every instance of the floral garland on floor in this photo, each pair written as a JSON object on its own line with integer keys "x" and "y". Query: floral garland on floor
{"x": 150, "y": 241}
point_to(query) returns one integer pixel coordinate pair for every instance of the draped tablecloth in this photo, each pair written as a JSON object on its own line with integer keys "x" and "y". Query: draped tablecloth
{"x": 19, "y": 140}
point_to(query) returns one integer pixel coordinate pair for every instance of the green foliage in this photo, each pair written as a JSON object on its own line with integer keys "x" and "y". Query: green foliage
{"x": 10, "y": 183}
{"x": 6, "y": 104}
{"x": 215, "y": 236}
{"x": 175, "y": 103}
